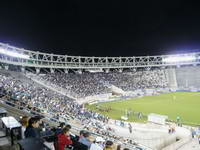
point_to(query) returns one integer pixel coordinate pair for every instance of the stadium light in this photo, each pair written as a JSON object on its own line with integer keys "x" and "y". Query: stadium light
{"x": 13, "y": 54}
{"x": 174, "y": 59}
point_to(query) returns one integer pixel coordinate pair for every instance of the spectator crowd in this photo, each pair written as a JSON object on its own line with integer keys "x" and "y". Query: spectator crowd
{"x": 61, "y": 138}
{"x": 89, "y": 84}
{"x": 31, "y": 97}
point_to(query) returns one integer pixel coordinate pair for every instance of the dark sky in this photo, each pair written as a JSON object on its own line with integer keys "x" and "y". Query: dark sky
{"x": 102, "y": 28}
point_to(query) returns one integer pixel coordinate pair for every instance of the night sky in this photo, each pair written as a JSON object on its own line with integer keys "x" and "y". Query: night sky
{"x": 102, "y": 28}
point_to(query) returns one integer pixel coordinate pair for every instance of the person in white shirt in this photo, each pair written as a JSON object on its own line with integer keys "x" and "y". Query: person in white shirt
{"x": 98, "y": 145}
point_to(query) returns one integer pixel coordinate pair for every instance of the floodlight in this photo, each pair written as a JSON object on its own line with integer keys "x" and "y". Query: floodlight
{"x": 13, "y": 54}
{"x": 174, "y": 59}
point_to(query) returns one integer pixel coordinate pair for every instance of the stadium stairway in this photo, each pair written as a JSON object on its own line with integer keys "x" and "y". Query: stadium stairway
{"x": 47, "y": 85}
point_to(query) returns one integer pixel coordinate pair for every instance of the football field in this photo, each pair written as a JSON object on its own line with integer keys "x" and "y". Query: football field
{"x": 186, "y": 105}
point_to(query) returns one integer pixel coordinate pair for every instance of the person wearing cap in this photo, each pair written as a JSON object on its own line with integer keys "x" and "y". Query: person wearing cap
{"x": 98, "y": 145}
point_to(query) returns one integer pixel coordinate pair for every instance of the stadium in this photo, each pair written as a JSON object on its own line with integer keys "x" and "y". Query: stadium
{"x": 141, "y": 103}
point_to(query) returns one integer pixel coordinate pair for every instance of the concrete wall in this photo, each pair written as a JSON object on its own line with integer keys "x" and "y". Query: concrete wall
{"x": 188, "y": 77}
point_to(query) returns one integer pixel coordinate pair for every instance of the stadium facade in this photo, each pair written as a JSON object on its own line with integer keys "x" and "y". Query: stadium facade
{"x": 27, "y": 58}
{"x": 36, "y": 61}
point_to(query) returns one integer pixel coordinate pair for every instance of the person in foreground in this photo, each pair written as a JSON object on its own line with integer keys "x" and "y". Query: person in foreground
{"x": 32, "y": 131}
{"x": 64, "y": 139}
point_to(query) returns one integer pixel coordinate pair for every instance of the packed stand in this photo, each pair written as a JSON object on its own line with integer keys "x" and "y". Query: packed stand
{"x": 33, "y": 98}
{"x": 89, "y": 84}
{"x": 78, "y": 85}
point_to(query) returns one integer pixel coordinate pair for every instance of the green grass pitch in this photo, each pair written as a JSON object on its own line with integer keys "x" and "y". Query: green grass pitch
{"x": 183, "y": 104}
